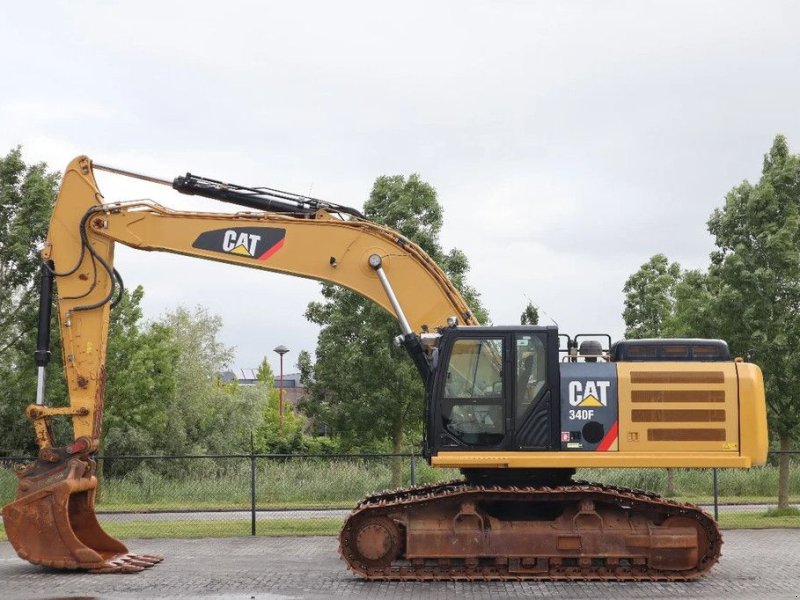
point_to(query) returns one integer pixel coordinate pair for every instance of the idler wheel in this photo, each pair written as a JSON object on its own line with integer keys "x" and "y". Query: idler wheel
{"x": 377, "y": 542}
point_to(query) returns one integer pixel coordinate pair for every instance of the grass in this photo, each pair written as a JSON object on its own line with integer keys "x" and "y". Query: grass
{"x": 294, "y": 483}
{"x": 758, "y": 484}
{"x": 232, "y": 528}
{"x": 730, "y": 500}
{"x": 218, "y": 529}
{"x": 224, "y": 484}
{"x": 783, "y": 512}
{"x": 759, "y": 520}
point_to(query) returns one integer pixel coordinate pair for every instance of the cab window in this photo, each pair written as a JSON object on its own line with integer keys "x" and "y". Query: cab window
{"x": 531, "y": 372}
{"x": 473, "y": 410}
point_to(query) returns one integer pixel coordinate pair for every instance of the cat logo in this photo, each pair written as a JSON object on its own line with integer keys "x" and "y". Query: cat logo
{"x": 590, "y": 393}
{"x": 240, "y": 242}
{"x": 248, "y": 242}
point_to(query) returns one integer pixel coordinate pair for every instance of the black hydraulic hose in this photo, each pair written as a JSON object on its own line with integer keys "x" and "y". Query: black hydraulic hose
{"x": 111, "y": 291}
{"x": 115, "y": 278}
{"x": 73, "y": 269}
{"x": 91, "y": 287}
{"x": 98, "y": 258}
{"x": 84, "y": 245}
{"x": 121, "y": 287}
{"x": 83, "y": 249}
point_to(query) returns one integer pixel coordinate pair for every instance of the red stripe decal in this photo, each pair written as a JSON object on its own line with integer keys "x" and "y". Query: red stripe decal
{"x": 609, "y": 439}
{"x": 271, "y": 251}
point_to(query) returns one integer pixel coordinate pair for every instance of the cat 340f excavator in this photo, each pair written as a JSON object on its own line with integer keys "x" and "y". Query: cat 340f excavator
{"x": 517, "y": 408}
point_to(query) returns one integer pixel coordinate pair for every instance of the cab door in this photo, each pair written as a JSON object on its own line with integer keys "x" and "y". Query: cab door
{"x": 473, "y": 393}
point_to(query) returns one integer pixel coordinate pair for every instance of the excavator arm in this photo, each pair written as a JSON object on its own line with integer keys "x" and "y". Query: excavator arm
{"x": 52, "y": 521}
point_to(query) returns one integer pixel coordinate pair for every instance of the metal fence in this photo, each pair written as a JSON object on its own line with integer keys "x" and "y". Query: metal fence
{"x": 269, "y": 494}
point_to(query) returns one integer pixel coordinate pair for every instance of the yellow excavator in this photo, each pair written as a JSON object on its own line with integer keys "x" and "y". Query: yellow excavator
{"x": 517, "y": 409}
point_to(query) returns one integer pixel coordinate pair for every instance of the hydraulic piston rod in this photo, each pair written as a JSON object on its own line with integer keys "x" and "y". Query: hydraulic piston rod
{"x": 42, "y": 354}
{"x": 376, "y": 263}
{"x": 259, "y": 198}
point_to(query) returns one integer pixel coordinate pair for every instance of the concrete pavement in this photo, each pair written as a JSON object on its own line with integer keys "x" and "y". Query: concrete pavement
{"x": 755, "y": 564}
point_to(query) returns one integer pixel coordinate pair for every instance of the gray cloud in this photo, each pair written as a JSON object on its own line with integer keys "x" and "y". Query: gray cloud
{"x": 568, "y": 141}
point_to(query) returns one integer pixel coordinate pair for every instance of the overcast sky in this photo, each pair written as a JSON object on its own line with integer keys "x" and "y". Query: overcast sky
{"x": 568, "y": 141}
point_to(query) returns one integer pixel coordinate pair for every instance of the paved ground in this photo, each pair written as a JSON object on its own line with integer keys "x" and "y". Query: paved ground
{"x": 756, "y": 564}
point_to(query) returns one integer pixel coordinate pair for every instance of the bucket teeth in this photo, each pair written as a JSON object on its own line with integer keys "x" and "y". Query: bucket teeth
{"x": 128, "y": 563}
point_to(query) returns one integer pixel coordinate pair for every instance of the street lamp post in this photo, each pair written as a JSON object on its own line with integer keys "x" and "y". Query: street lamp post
{"x": 281, "y": 350}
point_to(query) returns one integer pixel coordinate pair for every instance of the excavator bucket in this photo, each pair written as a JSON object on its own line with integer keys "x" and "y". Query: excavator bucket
{"x": 53, "y": 522}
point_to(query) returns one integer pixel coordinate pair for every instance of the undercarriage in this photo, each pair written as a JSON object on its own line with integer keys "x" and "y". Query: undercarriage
{"x": 581, "y": 531}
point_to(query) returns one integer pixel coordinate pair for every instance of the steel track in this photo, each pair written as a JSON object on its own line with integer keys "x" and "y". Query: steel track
{"x": 397, "y": 504}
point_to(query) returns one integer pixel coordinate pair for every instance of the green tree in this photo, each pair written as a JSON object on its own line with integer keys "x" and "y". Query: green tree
{"x": 650, "y": 298}
{"x": 529, "y": 316}
{"x": 140, "y": 381}
{"x": 694, "y": 314}
{"x": 205, "y": 415}
{"x": 662, "y": 300}
{"x": 756, "y": 275}
{"x": 27, "y": 193}
{"x": 361, "y": 386}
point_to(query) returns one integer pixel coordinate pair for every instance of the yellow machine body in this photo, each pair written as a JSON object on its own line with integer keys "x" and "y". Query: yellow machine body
{"x": 697, "y": 415}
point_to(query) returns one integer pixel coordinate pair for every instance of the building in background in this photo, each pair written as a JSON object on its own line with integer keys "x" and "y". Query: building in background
{"x": 293, "y": 389}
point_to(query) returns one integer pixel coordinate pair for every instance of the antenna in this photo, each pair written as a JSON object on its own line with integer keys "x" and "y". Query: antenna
{"x": 539, "y": 308}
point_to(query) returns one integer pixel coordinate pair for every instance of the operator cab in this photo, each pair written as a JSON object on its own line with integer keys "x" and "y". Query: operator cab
{"x": 495, "y": 388}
